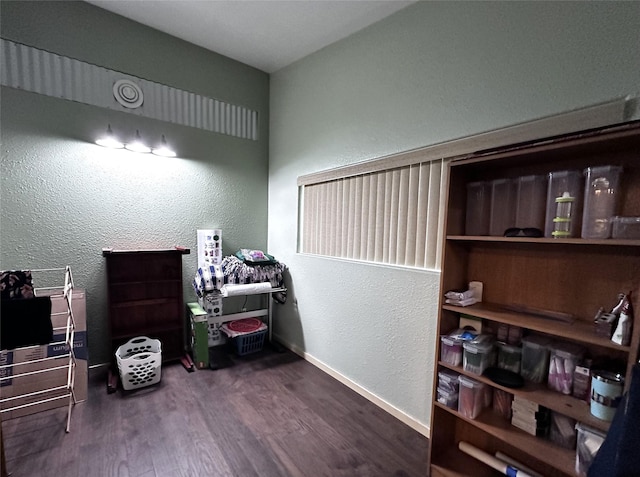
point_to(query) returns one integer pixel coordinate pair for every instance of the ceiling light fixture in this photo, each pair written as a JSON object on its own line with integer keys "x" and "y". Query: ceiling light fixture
{"x": 163, "y": 149}
{"x": 137, "y": 145}
{"x": 109, "y": 140}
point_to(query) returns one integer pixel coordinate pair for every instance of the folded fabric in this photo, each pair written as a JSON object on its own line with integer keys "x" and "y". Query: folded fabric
{"x": 453, "y": 295}
{"x": 16, "y": 284}
{"x": 237, "y": 272}
{"x": 465, "y": 302}
{"x": 25, "y": 322}
{"x": 228, "y": 330}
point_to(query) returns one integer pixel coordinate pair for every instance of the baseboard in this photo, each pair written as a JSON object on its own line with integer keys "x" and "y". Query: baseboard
{"x": 397, "y": 413}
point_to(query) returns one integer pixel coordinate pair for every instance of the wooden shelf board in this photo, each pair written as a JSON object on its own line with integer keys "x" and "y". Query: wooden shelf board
{"x": 149, "y": 331}
{"x": 548, "y": 241}
{"x": 144, "y": 302}
{"x": 566, "y": 405}
{"x": 455, "y": 463}
{"x": 557, "y": 457}
{"x": 580, "y": 331}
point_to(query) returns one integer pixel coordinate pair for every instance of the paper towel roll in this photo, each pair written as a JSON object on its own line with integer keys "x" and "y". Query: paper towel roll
{"x": 248, "y": 289}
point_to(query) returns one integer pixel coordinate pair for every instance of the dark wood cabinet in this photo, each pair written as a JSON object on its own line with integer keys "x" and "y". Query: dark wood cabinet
{"x": 145, "y": 297}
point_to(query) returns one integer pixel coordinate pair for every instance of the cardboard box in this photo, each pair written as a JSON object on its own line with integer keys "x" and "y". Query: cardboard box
{"x": 16, "y": 386}
{"x": 199, "y": 335}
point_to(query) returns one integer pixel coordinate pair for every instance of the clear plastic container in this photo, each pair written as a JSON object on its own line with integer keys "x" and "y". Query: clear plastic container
{"x": 448, "y": 380}
{"x": 562, "y": 430}
{"x": 471, "y": 398}
{"x": 588, "y": 444}
{"x": 451, "y": 350}
{"x": 509, "y": 357}
{"x": 478, "y": 354}
{"x": 563, "y": 358}
{"x": 502, "y": 214}
{"x": 448, "y": 398}
{"x": 564, "y": 204}
{"x": 531, "y": 199}
{"x": 535, "y": 358}
{"x": 601, "y": 198}
{"x": 478, "y": 208}
{"x": 626, "y": 228}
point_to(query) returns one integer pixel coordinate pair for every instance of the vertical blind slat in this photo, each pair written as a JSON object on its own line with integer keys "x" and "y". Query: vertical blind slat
{"x": 393, "y": 216}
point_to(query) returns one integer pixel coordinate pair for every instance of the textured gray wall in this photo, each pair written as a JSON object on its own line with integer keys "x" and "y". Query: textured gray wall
{"x": 432, "y": 72}
{"x": 65, "y": 198}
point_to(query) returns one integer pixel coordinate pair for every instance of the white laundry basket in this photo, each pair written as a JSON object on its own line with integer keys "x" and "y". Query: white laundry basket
{"x": 139, "y": 362}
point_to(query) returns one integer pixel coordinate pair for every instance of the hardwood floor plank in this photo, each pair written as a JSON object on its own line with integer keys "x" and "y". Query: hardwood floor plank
{"x": 267, "y": 415}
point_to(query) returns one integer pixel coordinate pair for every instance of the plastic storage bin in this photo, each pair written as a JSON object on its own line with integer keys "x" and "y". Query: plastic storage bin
{"x": 509, "y": 357}
{"x": 250, "y": 342}
{"x": 139, "y": 362}
{"x": 448, "y": 398}
{"x": 535, "y": 358}
{"x": 478, "y": 208}
{"x": 451, "y": 350}
{"x": 478, "y": 354}
{"x": 471, "y": 398}
{"x": 562, "y": 431}
{"x": 502, "y": 214}
{"x": 626, "y": 228}
{"x": 448, "y": 380}
{"x": 601, "y": 193}
{"x": 564, "y": 204}
{"x": 588, "y": 444}
{"x": 563, "y": 358}
{"x": 531, "y": 201}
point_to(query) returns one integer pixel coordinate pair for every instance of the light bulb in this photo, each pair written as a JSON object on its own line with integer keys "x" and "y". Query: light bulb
{"x": 137, "y": 145}
{"x": 109, "y": 140}
{"x": 163, "y": 149}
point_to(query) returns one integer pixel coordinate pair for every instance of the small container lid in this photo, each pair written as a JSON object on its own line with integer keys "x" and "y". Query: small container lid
{"x": 536, "y": 341}
{"x": 558, "y": 174}
{"x": 531, "y": 178}
{"x": 475, "y": 348}
{"x": 450, "y": 341}
{"x": 583, "y": 428}
{"x": 447, "y": 392}
{"x": 448, "y": 376}
{"x": 507, "y": 348}
{"x": 602, "y": 169}
{"x": 567, "y": 350}
{"x": 477, "y": 184}
{"x": 625, "y": 220}
{"x": 608, "y": 377}
{"x": 468, "y": 382}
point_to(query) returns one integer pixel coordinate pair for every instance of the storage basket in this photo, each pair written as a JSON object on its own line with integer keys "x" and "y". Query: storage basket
{"x": 250, "y": 342}
{"x": 139, "y": 362}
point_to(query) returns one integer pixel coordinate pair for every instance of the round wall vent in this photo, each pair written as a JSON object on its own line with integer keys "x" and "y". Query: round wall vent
{"x": 128, "y": 94}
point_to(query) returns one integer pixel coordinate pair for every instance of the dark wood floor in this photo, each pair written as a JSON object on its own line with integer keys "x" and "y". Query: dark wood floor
{"x": 268, "y": 414}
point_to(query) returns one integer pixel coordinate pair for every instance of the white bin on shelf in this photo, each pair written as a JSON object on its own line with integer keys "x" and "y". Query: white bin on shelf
{"x": 139, "y": 362}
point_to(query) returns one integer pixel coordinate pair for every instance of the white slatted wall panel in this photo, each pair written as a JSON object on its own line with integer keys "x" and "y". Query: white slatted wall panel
{"x": 393, "y": 216}
{"x": 41, "y": 72}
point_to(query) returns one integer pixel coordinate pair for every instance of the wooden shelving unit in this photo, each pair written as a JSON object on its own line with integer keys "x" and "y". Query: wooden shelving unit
{"x": 145, "y": 299}
{"x": 571, "y": 276}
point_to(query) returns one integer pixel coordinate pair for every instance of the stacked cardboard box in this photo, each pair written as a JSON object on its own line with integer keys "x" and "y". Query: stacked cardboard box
{"x": 16, "y": 386}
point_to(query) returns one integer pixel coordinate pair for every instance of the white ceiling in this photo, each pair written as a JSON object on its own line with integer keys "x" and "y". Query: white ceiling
{"x": 266, "y": 34}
